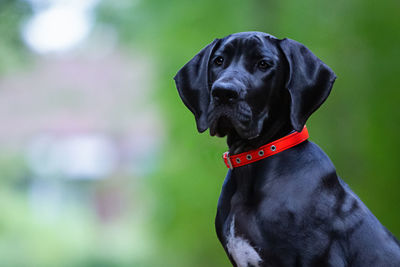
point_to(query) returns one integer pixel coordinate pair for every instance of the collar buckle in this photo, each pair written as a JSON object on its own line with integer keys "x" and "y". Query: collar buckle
{"x": 227, "y": 160}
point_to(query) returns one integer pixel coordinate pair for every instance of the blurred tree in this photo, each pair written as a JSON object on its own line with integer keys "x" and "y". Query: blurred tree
{"x": 12, "y": 15}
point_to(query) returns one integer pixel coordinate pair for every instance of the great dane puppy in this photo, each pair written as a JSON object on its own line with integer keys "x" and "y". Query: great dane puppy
{"x": 291, "y": 208}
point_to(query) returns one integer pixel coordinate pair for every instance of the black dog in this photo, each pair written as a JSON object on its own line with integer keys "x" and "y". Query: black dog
{"x": 289, "y": 209}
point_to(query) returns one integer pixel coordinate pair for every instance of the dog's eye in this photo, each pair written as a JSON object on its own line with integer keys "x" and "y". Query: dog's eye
{"x": 219, "y": 60}
{"x": 263, "y": 65}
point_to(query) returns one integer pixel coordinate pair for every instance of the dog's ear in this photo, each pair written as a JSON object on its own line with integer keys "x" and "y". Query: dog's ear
{"x": 309, "y": 81}
{"x": 192, "y": 84}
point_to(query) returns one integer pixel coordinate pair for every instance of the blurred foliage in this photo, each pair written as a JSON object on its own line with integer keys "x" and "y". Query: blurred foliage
{"x": 12, "y": 51}
{"x": 357, "y": 126}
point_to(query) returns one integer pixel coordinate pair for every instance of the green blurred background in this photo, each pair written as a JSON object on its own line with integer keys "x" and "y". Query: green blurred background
{"x": 101, "y": 163}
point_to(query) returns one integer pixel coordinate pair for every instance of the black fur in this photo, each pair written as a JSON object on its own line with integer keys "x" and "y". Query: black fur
{"x": 291, "y": 207}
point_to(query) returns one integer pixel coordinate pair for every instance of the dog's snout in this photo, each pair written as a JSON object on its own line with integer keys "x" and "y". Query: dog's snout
{"x": 224, "y": 93}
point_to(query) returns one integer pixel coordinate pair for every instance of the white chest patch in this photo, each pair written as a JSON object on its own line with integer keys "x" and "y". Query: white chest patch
{"x": 240, "y": 249}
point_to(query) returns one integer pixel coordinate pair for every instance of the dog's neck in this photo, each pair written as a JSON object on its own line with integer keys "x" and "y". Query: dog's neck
{"x": 271, "y": 131}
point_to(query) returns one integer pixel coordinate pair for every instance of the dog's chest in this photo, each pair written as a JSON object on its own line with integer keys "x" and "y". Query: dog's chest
{"x": 240, "y": 249}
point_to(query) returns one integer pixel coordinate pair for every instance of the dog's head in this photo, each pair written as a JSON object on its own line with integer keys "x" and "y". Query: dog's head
{"x": 240, "y": 83}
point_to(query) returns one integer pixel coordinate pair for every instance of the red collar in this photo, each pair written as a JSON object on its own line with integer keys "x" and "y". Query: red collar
{"x": 286, "y": 142}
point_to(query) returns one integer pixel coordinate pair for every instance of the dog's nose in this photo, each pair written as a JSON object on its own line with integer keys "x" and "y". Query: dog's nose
{"x": 224, "y": 93}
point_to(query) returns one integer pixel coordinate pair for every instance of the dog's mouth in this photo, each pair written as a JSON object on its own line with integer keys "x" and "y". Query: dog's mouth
{"x": 221, "y": 126}
{"x": 237, "y": 121}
